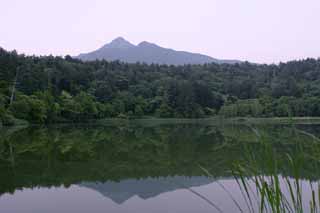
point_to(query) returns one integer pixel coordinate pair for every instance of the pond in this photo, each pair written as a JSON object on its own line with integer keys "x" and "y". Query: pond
{"x": 140, "y": 168}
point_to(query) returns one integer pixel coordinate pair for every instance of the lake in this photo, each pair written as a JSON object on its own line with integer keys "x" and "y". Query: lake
{"x": 135, "y": 167}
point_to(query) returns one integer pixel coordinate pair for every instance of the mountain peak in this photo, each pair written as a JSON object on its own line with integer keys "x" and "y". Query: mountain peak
{"x": 147, "y": 44}
{"x": 119, "y": 42}
{"x": 119, "y": 39}
{"x": 123, "y": 50}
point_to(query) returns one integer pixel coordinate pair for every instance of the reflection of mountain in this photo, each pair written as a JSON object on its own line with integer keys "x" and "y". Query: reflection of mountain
{"x": 55, "y": 156}
{"x": 146, "y": 188}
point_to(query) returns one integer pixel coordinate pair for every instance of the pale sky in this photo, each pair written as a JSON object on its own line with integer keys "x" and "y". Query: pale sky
{"x": 264, "y": 31}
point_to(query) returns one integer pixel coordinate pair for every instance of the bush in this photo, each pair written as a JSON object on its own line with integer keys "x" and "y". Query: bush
{"x": 242, "y": 108}
{"x": 8, "y": 120}
{"x": 29, "y": 108}
{"x": 165, "y": 111}
{"x": 20, "y": 108}
{"x": 138, "y": 111}
{"x": 122, "y": 116}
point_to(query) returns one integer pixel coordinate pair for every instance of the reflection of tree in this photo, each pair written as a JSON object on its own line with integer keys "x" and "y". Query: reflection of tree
{"x": 68, "y": 155}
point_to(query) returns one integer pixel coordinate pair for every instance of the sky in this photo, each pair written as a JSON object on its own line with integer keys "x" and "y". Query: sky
{"x": 262, "y": 31}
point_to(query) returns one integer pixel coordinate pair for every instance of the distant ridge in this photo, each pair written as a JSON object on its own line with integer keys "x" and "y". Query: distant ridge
{"x": 145, "y": 52}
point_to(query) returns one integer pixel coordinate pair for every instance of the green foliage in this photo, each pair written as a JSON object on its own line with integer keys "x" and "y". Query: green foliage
{"x": 105, "y": 110}
{"x": 88, "y": 107}
{"x": 20, "y": 108}
{"x": 6, "y": 118}
{"x": 242, "y": 108}
{"x": 122, "y": 116}
{"x": 38, "y": 110}
{"x": 275, "y": 192}
{"x": 70, "y": 109}
{"x": 67, "y": 89}
{"x": 3, "y": 111}
{"x": 165, "y": 111}
{"x": 29, "y": 108}
{"x": 53, "y": 108}
{"x": 138, "y": 111}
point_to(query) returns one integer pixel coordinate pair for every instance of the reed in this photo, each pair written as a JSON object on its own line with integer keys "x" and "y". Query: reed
{"x": 265, "y": 189}
{"x": 274, "y": 192}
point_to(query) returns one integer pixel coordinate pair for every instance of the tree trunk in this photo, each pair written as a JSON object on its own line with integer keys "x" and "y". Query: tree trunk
{"x": 14, "y": 86}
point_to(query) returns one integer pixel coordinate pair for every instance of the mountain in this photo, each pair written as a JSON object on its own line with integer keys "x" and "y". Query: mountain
{"x": 145, "y": 52}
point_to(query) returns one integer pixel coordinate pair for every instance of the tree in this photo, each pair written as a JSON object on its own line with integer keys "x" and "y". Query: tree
{"x": 70, "y": 109}
{"x": 88, "y": 108}
{"x": 53, "y": 108}
{"x": 29, "y": 108}
{"x": 138, "y": 111}
{"x": 21, "y": 108}
{"x": 66, "y": 89}
{"x": 283, "y": 108}
{"x": 38, "y": 110}
{"x": 165, "y": 111}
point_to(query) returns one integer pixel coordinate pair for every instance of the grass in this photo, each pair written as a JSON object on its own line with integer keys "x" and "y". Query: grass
{"x": 265, "y": 190}
{"x": 270, "y": 193}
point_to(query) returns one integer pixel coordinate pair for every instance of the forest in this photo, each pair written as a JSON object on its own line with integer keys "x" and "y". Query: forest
{"x": 49, "y": 89}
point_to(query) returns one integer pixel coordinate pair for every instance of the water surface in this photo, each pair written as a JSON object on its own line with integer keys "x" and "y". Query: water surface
{"x": 141, "y": 168}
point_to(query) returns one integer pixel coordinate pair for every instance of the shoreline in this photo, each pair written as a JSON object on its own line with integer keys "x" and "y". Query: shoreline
{"x": 158, "y": 121}
{"x": 202, "y": 121}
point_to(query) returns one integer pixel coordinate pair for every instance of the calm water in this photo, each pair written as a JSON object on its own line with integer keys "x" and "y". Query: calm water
{"x": 141, "y": 168}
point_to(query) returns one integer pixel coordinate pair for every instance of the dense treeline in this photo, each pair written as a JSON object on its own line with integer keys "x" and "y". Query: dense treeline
{"x": 55, "y": 89}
